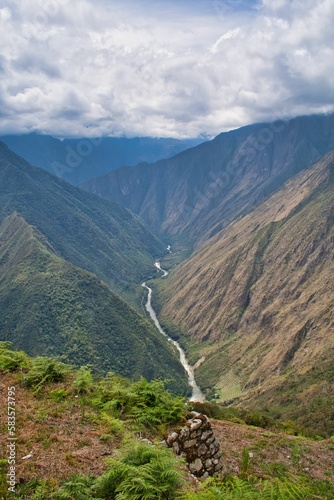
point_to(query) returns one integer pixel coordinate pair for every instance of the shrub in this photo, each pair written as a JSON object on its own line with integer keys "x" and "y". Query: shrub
{"x": 145, "y": 472}
{"x": 12, "y": 360}
{"x": 83, "y": 381}
{"x": 78, "y": 487}
{"x": 45, "y": 370}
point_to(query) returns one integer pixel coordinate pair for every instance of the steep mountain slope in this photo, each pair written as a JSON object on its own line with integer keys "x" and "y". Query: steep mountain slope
{"x": 260, "y": 295}
{"x": 78, "y": 160}
{"x": 201, "y": 190}
{"x": 85, "y": 230}
{"x": 50, "y": 307}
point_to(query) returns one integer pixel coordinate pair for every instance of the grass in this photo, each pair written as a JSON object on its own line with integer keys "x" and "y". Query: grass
{"x": 69, "y": 447}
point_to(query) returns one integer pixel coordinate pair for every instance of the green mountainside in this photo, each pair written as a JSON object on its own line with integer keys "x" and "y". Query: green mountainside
{"x": 85, "y": 230}
{"x": 199, "y": 191}
{"x": 257, "y": 301}
{"x": 51, "y": 307}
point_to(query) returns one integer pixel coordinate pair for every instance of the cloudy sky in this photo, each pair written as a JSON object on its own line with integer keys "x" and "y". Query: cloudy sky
{"x": 168, "y": 68}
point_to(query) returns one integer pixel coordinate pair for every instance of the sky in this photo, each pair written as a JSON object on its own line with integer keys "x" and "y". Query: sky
{"x": 172, "y": 68}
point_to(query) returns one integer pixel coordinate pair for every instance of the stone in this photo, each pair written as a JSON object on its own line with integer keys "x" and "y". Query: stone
{"x": 172, "y": 437}
{"x": 210, "y": 439}
{"x": 190, "y": 444}
{"x": 218, "y": 467}
{"x": 197, "y": 444}
{"x": 202, "y": 449}
{"x": 205, "y": 435}
{"x": 184, "y": 433}
{"x": 208, "y": 464}
{"x": 194, "y": 414}
{"x": 195, "y": 434}
{"x": 196, "y": 466}
{"x": 196, "y": 424}
{"x": 176, "y": 447}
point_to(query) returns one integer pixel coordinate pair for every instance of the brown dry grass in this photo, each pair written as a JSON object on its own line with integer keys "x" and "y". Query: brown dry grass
{"x": 62, "y": 442}
{"x": 274, "y": 452}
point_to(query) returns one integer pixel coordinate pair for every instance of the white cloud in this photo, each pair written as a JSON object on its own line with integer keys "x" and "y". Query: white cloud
{"x": 162, "y": 68}
{"x": 5, "y": 14}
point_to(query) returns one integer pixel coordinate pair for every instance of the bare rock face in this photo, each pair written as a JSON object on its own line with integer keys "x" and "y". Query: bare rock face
{"x": 197, "y": 443}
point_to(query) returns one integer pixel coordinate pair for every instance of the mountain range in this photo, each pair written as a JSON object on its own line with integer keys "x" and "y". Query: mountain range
{"x": 78, "y": 160}
{"x": 249, "y": 214}
{"x": 63, "y": 255}
{"x": 253, "y": 303}
{"x": 199, "y": 191}
{"x": 91, "y": 233}
{"x": 257, "y": 300}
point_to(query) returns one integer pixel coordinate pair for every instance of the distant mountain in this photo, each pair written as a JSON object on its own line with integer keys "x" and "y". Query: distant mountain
{"x": 51, "y": 307}
{"x": 258, "y": 301}
{"x": 199, "y": 191}
{"x": 78, "y": 160}
{"x": 83, "y": 229}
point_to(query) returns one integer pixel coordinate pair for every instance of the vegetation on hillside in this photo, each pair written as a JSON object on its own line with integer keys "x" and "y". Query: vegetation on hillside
{"x": 90, "y": 437}
{"x": 50, "y": 307}
{"x": 91, "y": 233}
{"x": 256, "y": 304}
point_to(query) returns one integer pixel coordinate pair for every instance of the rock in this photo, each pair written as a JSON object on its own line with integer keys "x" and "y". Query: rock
{"x": 190, "y": 443}
{"x": 205, "y": 435}
{"x": 172, "y": 437}
{"x": 218, "y": 467}
{"x": 210, "y": 439}
{"x": 208, "y": 464}
{"x": 196, "y": 442}
{"x": 184, "y": 433}
{"x": 194, "y": 414}
{"x": 196, "y": 466}
{"x": 202, "y": 449}
{"x": 195, "y": 434}
{"x": 196, "y": 424}
{"x": 176, "y": 447}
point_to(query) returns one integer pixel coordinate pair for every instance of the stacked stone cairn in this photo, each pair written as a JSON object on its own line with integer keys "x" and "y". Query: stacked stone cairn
{"x": 197, "y": 444}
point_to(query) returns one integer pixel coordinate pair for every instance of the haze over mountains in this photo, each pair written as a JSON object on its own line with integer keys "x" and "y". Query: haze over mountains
{"x": 198, "y": 192}
{"x": 78, "y": 160}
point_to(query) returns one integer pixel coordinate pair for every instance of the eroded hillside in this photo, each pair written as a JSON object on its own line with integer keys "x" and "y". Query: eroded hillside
{"x": 259, "y": 296}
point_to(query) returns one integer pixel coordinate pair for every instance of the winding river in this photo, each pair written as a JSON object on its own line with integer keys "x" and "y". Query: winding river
{"x": 197, "y": 394}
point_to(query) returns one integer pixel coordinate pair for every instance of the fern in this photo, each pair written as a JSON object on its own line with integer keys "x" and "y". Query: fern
{"x": 235, "y": 488}
{"x": 83, "y": 381}
{"x": 77, "y": 488}
{"x": 45, "y": 370}
{"x": 12, "y": 360}
{"x": 144, "y": 472}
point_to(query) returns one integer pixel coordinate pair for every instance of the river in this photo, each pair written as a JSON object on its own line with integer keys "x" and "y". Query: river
{"x": 197, "y": 394}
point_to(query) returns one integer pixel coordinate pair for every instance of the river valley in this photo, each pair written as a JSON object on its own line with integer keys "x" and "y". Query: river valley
{"x": 197, "y": 394}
